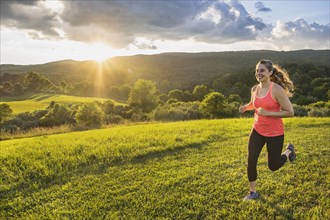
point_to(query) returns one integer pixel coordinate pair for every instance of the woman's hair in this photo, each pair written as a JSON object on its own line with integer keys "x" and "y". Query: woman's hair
{"x": 279, "y": 76}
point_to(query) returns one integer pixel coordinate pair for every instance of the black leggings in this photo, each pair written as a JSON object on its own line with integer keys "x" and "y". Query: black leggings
{"x": 274, "y": 148}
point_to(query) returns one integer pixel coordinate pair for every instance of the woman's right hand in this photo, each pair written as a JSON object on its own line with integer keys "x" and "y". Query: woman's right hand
{"x": 241, "y": 109}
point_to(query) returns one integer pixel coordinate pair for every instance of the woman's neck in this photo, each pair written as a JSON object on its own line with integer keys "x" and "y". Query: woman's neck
{"x": 265, "y": 84}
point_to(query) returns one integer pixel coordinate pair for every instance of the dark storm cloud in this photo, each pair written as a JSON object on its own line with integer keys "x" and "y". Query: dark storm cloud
{"x": 122, "y": 23}
{"x": 29, "y": 15}
{"x": 166, "y": 20}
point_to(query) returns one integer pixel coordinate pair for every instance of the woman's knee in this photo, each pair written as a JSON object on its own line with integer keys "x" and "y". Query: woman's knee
{"x": 273, "y": 167}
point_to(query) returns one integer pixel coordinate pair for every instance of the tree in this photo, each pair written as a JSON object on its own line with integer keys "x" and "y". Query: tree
{"x": 18, "y": 89}
{"x": 214, "y": 105}
{"x": 124, "y": 92}
{"x": 143, "y": 96}
{"x": 200, "y": 92}
{"x": 8, "y": 88}
{"x": 57, "y": 115}
{"x": 5, "y": 112}
{"x": 165, "y": 86}
{"x": 176, "y": 94}
{"x": 234, "y": 98}
{"x": 35, "y": 82}
{"x": 107, "y": 107}
{"x": 163, "y": 97}
{"x": 90, "y": 115}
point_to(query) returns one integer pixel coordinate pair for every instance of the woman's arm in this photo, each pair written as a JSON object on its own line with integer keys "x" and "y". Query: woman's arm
{"x": 283, "y": 100}
{"x": 249, "y": 106}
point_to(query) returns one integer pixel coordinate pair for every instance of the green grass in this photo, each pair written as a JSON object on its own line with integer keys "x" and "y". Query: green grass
{"x": 31, "y": 102}
{"x": 180, "y": 170}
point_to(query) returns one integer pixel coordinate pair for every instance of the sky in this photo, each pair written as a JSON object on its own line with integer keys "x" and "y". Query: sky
{"x": 35, "y": 32}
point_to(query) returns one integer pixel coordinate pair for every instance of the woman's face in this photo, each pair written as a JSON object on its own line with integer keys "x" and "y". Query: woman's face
{"x": 262, "y": 73}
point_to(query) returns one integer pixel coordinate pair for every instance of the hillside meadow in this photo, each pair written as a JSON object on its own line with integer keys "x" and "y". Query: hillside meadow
{"x": 179, "y": 170}
{"x": 31, "y": 102}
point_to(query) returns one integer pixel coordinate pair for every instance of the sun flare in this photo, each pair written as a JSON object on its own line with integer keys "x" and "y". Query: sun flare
{"x": 100, "y": 52}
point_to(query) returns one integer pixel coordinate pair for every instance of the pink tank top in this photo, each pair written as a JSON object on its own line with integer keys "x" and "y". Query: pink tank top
{"x": 265, "y": 125}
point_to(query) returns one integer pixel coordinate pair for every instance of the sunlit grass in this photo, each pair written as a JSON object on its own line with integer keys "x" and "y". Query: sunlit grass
{"x": 179, "y": 170}
{"x": 31, "y": 102}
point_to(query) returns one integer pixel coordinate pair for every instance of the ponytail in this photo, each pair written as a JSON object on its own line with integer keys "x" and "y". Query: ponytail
{"x": 281, "y": 77}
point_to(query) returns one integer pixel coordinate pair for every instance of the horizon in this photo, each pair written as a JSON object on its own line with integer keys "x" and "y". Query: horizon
{"x": 41, "y": 32}
{"x": 54, "y": 61}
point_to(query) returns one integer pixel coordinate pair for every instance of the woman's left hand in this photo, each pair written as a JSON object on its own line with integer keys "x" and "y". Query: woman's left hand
{"x": 262, "y": 111}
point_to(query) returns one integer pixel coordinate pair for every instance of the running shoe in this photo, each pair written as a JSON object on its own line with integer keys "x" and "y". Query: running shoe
{"x": 252, "y": 195}
{"x": 292, "y": 155}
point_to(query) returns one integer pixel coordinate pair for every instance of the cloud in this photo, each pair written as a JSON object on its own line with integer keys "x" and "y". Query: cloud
{"x": 33, "y": 16}
{"x": 261, "y": 7}
{"x": 144, "y": 44}
{"x": 141, "y": 24}
{"x": 300, "y": 34}
{"x": 120, "y": 23}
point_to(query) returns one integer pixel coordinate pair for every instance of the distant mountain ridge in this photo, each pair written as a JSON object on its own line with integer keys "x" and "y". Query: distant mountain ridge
{"x": 188, "y": 68}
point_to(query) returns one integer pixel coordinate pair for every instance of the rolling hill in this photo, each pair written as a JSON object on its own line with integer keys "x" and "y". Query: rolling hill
{"x": 183, "y": 68}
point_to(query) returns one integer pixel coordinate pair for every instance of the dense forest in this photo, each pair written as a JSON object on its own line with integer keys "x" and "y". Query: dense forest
{"x": 225, "y": 72}
{"x": 171, "y": 86}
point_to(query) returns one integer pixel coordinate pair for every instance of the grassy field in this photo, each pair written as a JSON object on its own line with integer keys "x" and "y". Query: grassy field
{"x": 180, "y": 170}
{"x": 31, "y": 102}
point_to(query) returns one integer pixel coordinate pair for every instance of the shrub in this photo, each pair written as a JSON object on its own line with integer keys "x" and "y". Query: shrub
{"x": 27, "y": 120}
{"x": 178, "y": 111}
{"x": 171, "y": 100}
{"x": 320, "y": 104}
{"x": 113, "y": 119}
{"x": 5, "y": 112}
{"x": 319, "y": 112}
{"x": 300, "y": 111}
{"x": 90, "y": 115}
{"x": 57, "y": 115}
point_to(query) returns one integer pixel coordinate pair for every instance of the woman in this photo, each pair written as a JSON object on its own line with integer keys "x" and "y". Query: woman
{"x": 270, "y": 101}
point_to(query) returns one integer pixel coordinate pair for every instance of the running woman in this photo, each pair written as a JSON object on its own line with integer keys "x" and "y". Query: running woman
{"x": 270, "y": 101}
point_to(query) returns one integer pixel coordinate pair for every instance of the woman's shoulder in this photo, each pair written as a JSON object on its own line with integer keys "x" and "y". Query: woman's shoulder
{"x": 254, "y": 88}
{"x": 277, "y": 87}
{"x": 277, "y": 90}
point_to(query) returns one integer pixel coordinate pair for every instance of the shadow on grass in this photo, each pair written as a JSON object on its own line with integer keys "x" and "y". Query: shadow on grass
{"x": 40, "y": 98}
{"x": 279, "y": 210}
{"x": 23, "y": 97}
{"x": 164, "y": 153}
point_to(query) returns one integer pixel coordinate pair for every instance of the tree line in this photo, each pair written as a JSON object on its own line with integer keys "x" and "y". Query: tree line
{"x": 145, "y": 102}
{"x": 312, "y": 83}
{"x": 162, "y": 99}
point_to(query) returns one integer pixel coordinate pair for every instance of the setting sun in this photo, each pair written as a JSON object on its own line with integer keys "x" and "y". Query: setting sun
{"x": 99, "y": 52}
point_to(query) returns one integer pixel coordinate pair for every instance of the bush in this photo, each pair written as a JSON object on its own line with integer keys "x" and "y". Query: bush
{"x": 171, "y": 100}
{"x": 27, "y": 120}
{"x": 178, "y": 111}
{"x": 5, "y": 112}
{"x": 319, "y": 112}
{"x": 113, "y": 119}
{"x": 90, "y": 115}
{"x": 57, "y": 115}
{"x": 320, "y": 104}
{"x": 215, "y": 105}
{"x": 139, "y": 116}
{"x": 300, "y": 111}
